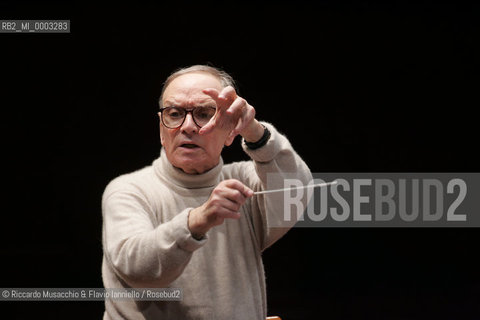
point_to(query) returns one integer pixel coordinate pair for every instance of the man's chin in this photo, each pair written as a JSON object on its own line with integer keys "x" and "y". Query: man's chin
{"x": 189, "y": 162}
{"x": 192, "y": 166}
{"x": 190, "y": 155}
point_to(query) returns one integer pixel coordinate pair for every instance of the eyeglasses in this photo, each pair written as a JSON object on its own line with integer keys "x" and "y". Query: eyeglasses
{"x": 174, "y": 117}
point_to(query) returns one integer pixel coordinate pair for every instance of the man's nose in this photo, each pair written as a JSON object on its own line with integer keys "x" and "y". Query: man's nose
{"x": 189, "y": 125}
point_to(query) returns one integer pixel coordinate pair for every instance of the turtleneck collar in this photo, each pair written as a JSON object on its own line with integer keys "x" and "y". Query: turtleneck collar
{"x": 167, "y": 172}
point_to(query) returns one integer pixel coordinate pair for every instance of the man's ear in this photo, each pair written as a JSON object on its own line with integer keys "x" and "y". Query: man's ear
{"x": 230, "y": 139}
{"x": 160, "y": 123}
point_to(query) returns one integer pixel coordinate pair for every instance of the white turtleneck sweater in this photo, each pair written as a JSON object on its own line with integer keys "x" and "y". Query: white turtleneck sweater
{"x": 147, "y": 243}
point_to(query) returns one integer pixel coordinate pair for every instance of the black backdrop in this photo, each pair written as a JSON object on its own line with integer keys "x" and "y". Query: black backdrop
{"x": 356, "y": 86}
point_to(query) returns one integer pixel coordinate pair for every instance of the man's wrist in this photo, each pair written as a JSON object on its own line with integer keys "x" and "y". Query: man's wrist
{"x": 253, "y": 132}
{"x": 260, "y": 142}
{"x": 197, "y": 232}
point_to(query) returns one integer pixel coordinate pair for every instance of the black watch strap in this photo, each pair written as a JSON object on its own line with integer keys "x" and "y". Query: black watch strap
{"x": 260, "y": 143}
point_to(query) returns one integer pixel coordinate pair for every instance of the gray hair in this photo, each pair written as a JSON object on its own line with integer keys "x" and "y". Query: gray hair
{"x": 225, "y": 79}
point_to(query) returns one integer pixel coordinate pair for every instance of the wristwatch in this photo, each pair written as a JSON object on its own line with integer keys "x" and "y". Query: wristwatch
{"x": 260, "y": 143}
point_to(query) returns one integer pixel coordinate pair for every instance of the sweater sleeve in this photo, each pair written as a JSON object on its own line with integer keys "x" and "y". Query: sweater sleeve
{"x": 140, "y": 253}
{"x": 273, "y": 163}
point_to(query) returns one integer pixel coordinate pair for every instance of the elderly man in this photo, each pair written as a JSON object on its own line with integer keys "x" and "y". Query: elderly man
{"x": 190, "y": 221}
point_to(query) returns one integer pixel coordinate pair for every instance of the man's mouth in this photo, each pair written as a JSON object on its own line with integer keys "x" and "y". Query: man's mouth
{"x": 189, "y": 146}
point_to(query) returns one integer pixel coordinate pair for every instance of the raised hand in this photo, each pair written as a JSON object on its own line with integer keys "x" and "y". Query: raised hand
{"x": 233, "y": 113}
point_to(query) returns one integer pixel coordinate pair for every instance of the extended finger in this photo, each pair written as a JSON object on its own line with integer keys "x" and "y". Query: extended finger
{"x": 228, "y": 93}
{"x": 209, "y": 126}
{"x": 218, "y": 120}
{"x": 221, "y": 101}
{"x": 221, "y": 107}
{"x": 212, "y": 92}
{"x": 237, "y": 106}
{"x": 246, "y": 118}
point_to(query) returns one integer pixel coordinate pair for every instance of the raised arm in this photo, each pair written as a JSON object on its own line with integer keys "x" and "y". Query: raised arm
{"x": 275, "y": 159}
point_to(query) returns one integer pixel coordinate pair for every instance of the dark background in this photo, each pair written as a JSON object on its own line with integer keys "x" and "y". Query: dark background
{"x": 356, "y": 86}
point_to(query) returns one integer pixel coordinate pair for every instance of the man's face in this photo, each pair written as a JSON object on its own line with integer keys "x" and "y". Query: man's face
{"x": 184, "y": 147}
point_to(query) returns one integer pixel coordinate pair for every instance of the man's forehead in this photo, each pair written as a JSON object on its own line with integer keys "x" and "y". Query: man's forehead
{"x": 190, "y": 86}
{"x": 194, "y": 82}
{"x": 180, "y": 99}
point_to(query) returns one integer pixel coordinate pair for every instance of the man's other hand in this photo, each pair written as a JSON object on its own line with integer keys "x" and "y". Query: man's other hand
{"x": 224, "y": 203}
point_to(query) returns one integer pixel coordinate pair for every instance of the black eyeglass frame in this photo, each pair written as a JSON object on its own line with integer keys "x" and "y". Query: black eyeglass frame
{"x": 187, "y": 111}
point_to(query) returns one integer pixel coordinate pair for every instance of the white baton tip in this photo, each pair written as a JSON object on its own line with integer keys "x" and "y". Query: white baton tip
{"x": 318, "y": 185}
